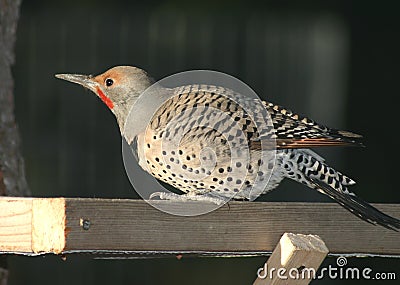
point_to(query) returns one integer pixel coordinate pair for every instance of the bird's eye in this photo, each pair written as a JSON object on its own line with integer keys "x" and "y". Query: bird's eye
{"x": 109, "y": 82}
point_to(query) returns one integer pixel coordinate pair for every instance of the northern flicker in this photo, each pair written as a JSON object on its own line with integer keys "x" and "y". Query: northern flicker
{"x": 185, "y": 167}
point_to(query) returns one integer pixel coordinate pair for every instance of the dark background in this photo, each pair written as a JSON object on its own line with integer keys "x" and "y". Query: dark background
{"x": 336, "y": 61}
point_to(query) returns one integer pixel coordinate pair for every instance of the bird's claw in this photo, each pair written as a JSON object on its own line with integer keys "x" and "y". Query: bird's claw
{"x": 167, "y": 196}
{"x": 187, "y": 197}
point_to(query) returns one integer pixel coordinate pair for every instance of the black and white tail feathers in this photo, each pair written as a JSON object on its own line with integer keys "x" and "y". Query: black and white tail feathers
{"x": 309, "y": 168}
{"x": 357, "y": 206}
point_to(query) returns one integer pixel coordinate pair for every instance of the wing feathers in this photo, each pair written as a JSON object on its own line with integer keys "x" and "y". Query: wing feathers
{"x": 295, "y": 131}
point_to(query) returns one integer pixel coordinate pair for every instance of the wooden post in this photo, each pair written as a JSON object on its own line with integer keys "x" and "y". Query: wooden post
{"x": 295, "y": 260}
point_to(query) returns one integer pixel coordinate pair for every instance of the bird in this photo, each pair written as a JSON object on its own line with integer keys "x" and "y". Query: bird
{"x": 214, "y": 125}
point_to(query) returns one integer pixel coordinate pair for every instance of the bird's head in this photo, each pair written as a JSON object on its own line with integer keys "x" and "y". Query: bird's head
{"x": 118, "y": 87}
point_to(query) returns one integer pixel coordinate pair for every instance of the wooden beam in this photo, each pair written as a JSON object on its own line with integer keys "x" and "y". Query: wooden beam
{"x": 121, "y": 226}
{"x": 295, "y": 260}
{"x": 15, "y": 224}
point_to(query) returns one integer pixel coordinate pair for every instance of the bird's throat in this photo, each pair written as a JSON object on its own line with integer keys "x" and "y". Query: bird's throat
{"x": 104, "y": 98}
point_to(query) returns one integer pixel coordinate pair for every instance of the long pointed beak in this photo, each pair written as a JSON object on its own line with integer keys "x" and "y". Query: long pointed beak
{"x": 84, "y": 80}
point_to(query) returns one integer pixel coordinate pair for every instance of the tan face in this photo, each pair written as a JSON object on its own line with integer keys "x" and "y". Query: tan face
{"x": 109, "y": 79}
{"x": 106, "y": 83}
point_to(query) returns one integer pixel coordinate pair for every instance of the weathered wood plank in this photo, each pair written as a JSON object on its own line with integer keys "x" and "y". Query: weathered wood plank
{"x": 133, "y": 226}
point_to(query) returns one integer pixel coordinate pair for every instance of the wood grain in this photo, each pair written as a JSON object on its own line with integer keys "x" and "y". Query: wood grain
{"x": 111, "y": 226}
{"x": 15, "y": 224}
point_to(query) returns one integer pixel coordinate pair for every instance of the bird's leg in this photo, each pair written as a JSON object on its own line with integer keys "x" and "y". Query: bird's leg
{"x": 205, "y": 197}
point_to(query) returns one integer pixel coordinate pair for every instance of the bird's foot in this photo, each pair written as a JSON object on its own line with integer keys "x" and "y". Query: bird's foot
{"x": 188, "y": 197}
